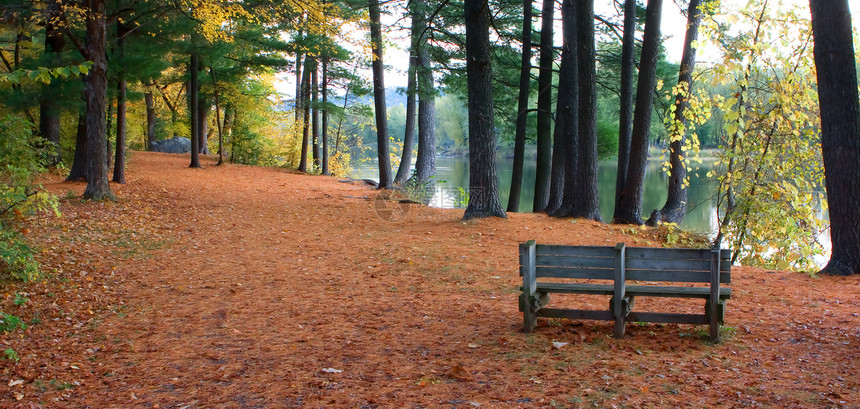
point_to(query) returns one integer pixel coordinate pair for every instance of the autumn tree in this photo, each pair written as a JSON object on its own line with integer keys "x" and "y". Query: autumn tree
{"x": 385, "y": 181}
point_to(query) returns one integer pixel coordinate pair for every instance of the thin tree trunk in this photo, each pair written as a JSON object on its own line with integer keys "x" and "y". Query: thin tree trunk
{"x": 425, "y": 163}
{"x": 203, "y": 126}
{"x": 151, "y": 117}
{"x": 385, "y": 181}
{"x": 315, "y": 116}
{"x": 625, "y": 111}
{"x": 49, "y": 110}
{"x": 78, "y": 172}
{"x": 403, "y": 171}
{"x": 325, "y": 155}
{"x": 522, "y": 110}
{"x": 305, "y": 90}
{"x": 840, "y": 130}
{"x": 194, "y": 100}
{"x": 629, "y": 205}
{"x": 218, "y": 117}
{"x": 676, "y": 202}
{"x": 567, "y": 111}
{"x": 121, "y": 85}
{"x": 586, "y": 203}
{"x": 483, "y": 184}
{"x": 544, "y": 106}
{"x": 96, "y": 92}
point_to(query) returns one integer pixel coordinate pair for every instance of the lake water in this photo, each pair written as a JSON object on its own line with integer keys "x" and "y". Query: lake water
{"x": 453, "y": 173}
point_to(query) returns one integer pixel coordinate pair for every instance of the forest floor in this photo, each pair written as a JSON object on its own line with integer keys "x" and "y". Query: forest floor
{"x": 244, "y": 287}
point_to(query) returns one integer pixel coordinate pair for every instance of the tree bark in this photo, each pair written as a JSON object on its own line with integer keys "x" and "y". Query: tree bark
{"x": 315, "y": 116}
{"x": 194, "y": 101}
{"x": 78, "y": 172}
{"x": 151, "y": 117}
{"x": 121, "y": 85}
{"x": 567, "y": 111}
{"x": 629, "y": 205}
{"x": 425, "y": 162}
{"x": 299, "y": 89}
{"x": 324, "y": 135}
{"x": 403, "y": 171}
{"x": 676, "y": 202}
{"x": 49, "y": 111}
{"x": 306, "y": 79}
{"x": 483, "y": 184}
{"x": 522, "y": 110}
{"x": 586, "y": 203}
{"x": 96, "y": 94}
{"x": 840, "y": 130}
{"x": 218, "y": 125}
{"x": 203, "y": 125}
{"x": 625, "y": 111}
{"x": 544, "y": 106}
{"x": 385, "y": 181}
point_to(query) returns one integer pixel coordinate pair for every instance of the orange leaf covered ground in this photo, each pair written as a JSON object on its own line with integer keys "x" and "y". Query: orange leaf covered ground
{"x": 246, "y": 287}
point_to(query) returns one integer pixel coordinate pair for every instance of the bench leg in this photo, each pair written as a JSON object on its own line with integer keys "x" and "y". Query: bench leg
{"x": 714, "y": 315}
{"x": 620, "y": 314}
{"x": 530, "y": 306}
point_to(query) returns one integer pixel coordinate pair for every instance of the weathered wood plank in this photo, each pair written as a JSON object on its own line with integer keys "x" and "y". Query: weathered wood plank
{"x": 544, "y": 260}
{"x": 667, "y": 318}
{"x": 683, "y": 292}
{"x": 584, "y": 273}
{"x": 575, "y": 251}
{"x": 576, "y": 288}
{"x": 575, "y": 314}
{"x": 675, "y": 276}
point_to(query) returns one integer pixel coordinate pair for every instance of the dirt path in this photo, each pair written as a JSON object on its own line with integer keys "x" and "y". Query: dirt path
{"x": 243, "y": 287}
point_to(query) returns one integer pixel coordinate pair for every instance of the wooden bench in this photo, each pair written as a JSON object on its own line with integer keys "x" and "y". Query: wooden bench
{"x": 621, "y": 264}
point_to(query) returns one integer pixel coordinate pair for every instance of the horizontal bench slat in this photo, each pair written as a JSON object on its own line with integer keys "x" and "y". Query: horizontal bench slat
{"x": 575, "y": 314}
{"x": 667, "y": 318}
{"x": 584, "y": 273}
{"x": 632, "y": 290}
{"x": 668, "y": 253}
{"x": 544, "y": 260}
{"x": 574, "y": 251}
{"x": 675, "y": 276}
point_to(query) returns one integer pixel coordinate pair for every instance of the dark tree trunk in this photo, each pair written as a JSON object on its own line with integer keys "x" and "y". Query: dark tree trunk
{"x": 306, "y": 118}
{"x": 194, "y": 101}
{"x": 629, "y": 204}
{"x": 586, "y": 203}
{"x": 544, "y": 106}
{"x": 840, "y": 130}
{"x": 121, "y": 85}
{"x": 676, "y": 202}
{"x": 625, "y": 110}
{"x": 49, "y": 110}
{"x": 315, "y": 116}
{"x": 403, "y": 171}
{"x": 379, "y": 98}
{"x": 324, "y": 134}
{"x": 567, "y": 111}
{"x": 96, "y": 92}
{"x": 556, "y": 182}
{"x": 425, "y": 162}
{"x": 218, "y": 125}
{"x": 483, "y": 184}
{"x": 78, "y": 172}
{"x": 151, "y": 118}
{"x": 299, "y": 89}
{"x": 522, "y": 110}
{"x": 203, "y": 126}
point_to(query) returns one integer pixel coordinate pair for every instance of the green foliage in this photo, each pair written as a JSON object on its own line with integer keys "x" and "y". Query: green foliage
{"x": 22, "y": 156}
{"x": 20, "y": 299}
{"x": 10, "y": 323}
{"x": 771, "y": 172}
{"x": 10, "y": 355}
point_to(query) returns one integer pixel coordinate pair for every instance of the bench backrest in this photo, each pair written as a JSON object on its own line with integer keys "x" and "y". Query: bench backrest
{"x": 640, "y": 263}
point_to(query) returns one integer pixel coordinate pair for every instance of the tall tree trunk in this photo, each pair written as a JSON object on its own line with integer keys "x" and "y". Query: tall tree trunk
{"x": 425, "y": 162}
{"x": 544, "y": 106}
{"x": 96, "y": 92}
{"x": 324, "y": 135}
{"x": 78, "y": 172}
{"x": 840, "y": 130}
{"x": 49, "y": 110}
{"x": 522, "y": 110}
{"x": 676, "y": 202}
{"x": 151, "y": 117}
{"x": 315, "y": 116}
{"x": 403, "y": 171}
{"x": 121, "y": 85}
{"x": 203, "y": 126}
{"x": 194, "y": 101}
{"x": 625, "y": 111}
{"x": 218, "y": 125}
{"x": 483, "y": 184}
{"x": 306, "y": 79}
{"x": 629, "y": 205}
{"x": 586, "y": 203}
{"x": 385, "y": 181}
{"x": 567, "y": 111}
{"x": 299, "y": 77}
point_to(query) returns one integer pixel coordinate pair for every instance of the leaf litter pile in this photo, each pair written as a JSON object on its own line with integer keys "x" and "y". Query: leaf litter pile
{"x": 247, "y": 287}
